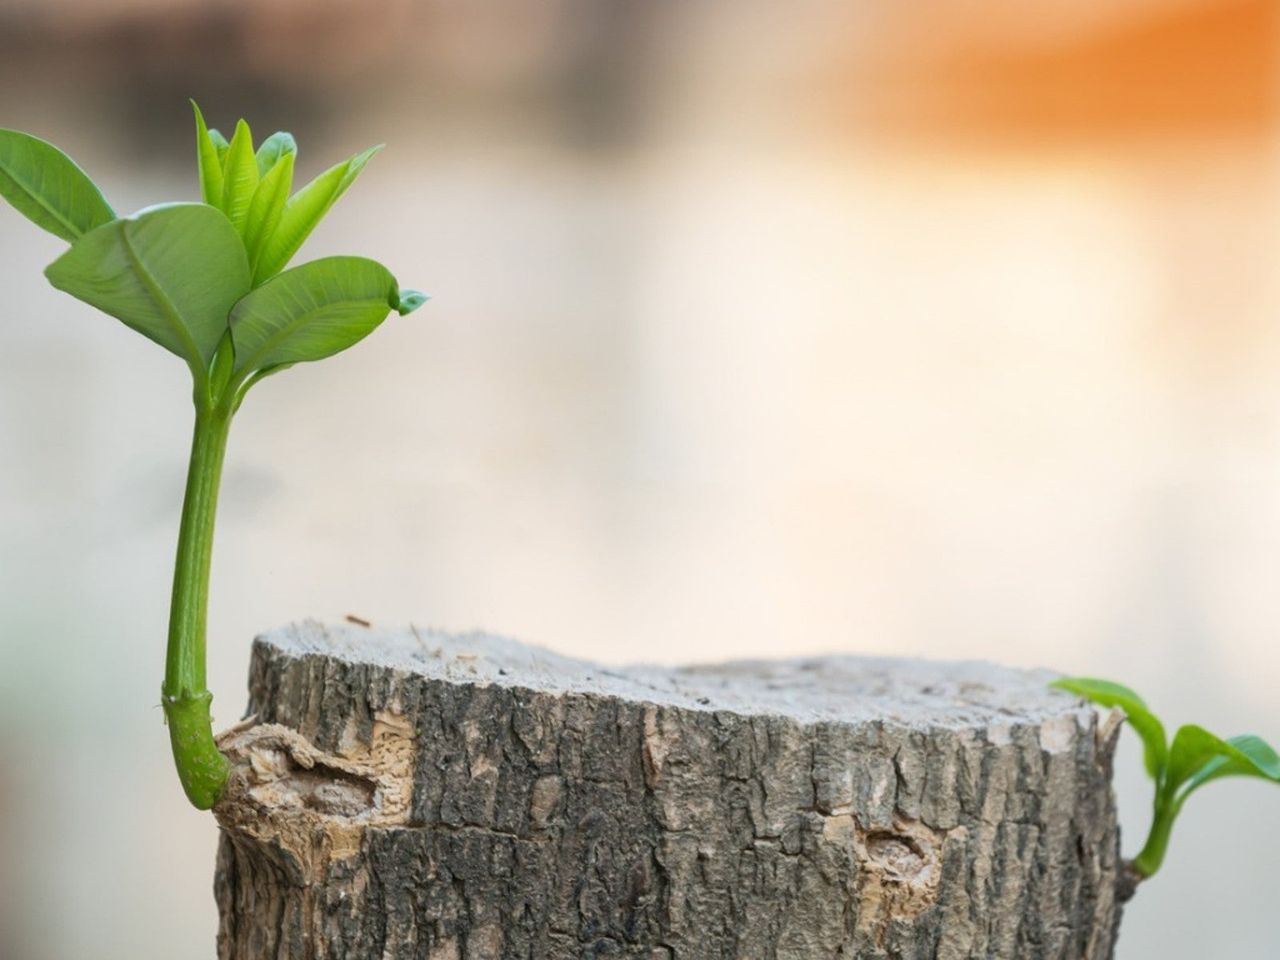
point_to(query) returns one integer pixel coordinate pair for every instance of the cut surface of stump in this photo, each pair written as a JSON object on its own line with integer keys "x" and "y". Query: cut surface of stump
{"x": 407, "y": 794}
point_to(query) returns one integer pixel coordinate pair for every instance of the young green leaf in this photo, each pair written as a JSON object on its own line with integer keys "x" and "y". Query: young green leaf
{"x": 275, "y": 147}
{"x": 171, "y": 272}
{"x": 239, "y": 178}
{"x": 209, "y": 160}
{"x": 304, "y": 210}
{"x": 268, "y": 205}
{"x": 311, "y": 312}
{"x": 1251, "y": 756}
{"x": 220, "y": 142}
{"x": 1198, "y": 755}
{"x": 1144, "y": 722}
{"x": 46, "y": 187}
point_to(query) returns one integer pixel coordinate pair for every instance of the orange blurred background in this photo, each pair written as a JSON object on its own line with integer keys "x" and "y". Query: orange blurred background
{"x": 947, "y": 329}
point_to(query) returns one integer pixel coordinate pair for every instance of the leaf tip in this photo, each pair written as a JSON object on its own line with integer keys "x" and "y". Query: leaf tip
{"x": 201, "y": 127}
{"x": 51, "y": 273}
{"x": 409, "y": 301}
{"x": 360, "y": 159}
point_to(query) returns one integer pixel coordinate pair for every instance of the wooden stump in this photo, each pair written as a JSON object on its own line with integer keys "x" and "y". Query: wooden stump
{"x": 406, "y": 794}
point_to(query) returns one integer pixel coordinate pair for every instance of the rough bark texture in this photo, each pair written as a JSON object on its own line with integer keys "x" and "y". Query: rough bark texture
{"x": 412, "y": 795}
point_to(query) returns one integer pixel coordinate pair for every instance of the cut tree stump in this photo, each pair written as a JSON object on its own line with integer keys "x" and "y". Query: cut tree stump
{"x": 405, "y": 794}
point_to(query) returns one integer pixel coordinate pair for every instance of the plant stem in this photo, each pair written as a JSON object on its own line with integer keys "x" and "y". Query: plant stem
{"x": 201, "y": 766}
{"x": 1148, "y": 861}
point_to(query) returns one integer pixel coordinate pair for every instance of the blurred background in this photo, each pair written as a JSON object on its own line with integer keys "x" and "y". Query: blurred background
{"x": 947, "y": 329}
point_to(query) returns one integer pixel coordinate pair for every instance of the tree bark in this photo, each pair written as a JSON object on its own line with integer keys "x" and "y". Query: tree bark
{"x": 404, "y": 795}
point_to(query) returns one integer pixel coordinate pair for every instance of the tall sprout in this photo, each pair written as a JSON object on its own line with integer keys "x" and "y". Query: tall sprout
{"x": 208, "y": 282}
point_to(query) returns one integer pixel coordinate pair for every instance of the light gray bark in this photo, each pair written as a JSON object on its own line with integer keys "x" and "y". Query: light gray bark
{"x": 412, "y": 795}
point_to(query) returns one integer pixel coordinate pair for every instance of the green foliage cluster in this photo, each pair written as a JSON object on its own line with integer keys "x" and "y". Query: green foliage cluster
{"x": 1194, "y": 758}
{"x": 208, "y": 282}
{"x": 204, "y": 280}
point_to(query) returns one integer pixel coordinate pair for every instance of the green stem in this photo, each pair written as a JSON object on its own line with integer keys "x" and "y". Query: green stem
{"x": 1148, "y": 861}
{"x": 201, "y": 766}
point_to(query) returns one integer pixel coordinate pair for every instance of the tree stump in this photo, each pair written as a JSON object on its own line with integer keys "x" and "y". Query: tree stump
{"x": 404, "y": 794}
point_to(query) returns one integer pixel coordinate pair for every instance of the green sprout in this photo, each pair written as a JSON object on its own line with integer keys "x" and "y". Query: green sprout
{"x": 1194, "y": 758}
{"x": 207, "y": 281}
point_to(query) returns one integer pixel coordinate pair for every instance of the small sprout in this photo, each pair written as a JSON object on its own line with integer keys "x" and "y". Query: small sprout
{"x": 207, "y": 281}
{"x": 1195, "y": 757}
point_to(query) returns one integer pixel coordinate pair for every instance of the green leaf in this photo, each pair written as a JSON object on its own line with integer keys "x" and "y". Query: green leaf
{"x": 411, "y": 300}
{"x": 311, "y": 312}
{"x": 1261, "y": 761}
{"x": 1144, "y": 722}
{"x": 267, "y": 207}
{"x": 273, "y": 148}
{"x": 1198, "y": 756}
{"x": 208, "y": 159}
{"x": 239, "y": 178}
{"x": 304, "y": 210}
{"x": 46, "y": 187}
{"x": 1258, "y": 754}
{"x": 171, "y": 272}
{"x": 220, "y": 142}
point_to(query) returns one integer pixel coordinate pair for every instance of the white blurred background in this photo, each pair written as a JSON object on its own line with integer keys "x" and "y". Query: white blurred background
{"x": 941, "y": 329}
